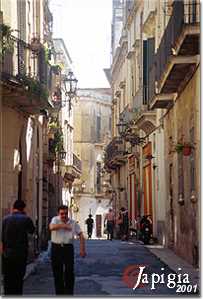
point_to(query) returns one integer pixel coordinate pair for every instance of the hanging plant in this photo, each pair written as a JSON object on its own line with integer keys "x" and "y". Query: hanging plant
{"x": 48, "y": 53}
{"x": 56, "y": 69}
{"x": 53, "y": 126}
{"x": 58, "y": 139}
{"x": 34, "y": 86}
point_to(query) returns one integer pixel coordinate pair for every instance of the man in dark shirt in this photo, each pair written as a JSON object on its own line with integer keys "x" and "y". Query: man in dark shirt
{"x": 15, "y": 229}
{"x": 89, "y": 221}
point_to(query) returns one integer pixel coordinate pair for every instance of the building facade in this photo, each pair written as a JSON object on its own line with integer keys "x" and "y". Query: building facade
{"x": 70, "y": 164}
{"x": 24, "y": 106}
{"x": 155, "y": 83}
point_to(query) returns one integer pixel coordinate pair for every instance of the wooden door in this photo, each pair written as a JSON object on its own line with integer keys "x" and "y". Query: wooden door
{"x": 98, "y": 226}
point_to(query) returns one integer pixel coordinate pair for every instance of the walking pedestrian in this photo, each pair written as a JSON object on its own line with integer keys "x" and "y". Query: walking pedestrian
{"x": 109, "y": 218}
{"x": 119, "y": 222}
{"x": 89, "y": 221}
{"x": 15, "y": 229}
{"x": 63, "y": 229}
{"x": 125, "y": 224}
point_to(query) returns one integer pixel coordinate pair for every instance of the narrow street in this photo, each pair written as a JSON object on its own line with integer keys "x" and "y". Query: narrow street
{"x": 100, "y": 123}
{"x": 101, "y": 272}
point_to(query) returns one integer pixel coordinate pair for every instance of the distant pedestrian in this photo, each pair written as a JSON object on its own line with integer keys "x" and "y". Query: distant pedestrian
{"x": 138, "y": 226}
{"x": 63, "y": 229}
{"x": 119, "y": 222}
{"x": 89, "y": 221}
{"x": 15, "y": 229}
{"x": 125, "y": 224}
{"x": 109, "y": 219}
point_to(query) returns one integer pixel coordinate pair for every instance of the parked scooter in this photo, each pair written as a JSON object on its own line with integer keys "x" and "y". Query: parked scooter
{"x": 146, "y": 229}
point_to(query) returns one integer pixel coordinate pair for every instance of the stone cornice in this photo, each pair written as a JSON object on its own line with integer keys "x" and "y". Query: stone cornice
{"x": 132, "y": 13}
{"x": 119, "y": 61}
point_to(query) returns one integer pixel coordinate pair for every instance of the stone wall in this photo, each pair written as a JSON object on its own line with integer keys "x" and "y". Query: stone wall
{"x": 182, "y": 233}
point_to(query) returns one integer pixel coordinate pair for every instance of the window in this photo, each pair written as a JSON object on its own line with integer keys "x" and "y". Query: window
{"x": 98, "y": 128}
{"x": 148, "y": 60}
{"x": 98, "y": 182}
{"x": 110, "y": 126}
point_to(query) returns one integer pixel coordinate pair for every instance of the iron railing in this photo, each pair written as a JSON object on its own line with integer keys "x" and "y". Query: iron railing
{"x": 77, "y": 163}
{"x": 128, "y": 114}
{"x": 114, "y": 148}
{"x": 183, "y": 13}
{"x": 21, "y": 61}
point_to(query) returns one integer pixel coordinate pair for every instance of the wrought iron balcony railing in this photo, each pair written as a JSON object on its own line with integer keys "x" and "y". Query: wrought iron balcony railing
{"x": 24, "y": 67}
{"x": 114, "y": 153}
{"x": 183, "y": 14}
{"x": 77, "y": 163}
{"x": 21, "y": 60}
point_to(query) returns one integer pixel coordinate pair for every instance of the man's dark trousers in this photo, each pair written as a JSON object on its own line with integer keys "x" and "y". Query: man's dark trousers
{"x": 13, "y": 268}
{"x": 62, "y": 257}
{"x": 110, "y": 226}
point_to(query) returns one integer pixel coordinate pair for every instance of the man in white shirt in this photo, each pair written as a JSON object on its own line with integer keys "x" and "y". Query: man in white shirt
{"x": 63, "y": 231}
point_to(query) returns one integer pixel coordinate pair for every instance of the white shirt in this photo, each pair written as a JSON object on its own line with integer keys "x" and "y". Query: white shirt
{"x": 63, "y": 236}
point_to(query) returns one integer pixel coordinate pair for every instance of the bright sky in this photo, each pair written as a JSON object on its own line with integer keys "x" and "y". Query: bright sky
{"x": 85, "y": 26}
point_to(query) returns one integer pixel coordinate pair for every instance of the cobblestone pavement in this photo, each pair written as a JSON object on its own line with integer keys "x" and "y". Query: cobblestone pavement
{"x": 109, "y": 269}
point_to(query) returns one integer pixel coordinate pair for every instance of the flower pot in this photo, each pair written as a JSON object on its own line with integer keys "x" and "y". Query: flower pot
{"x": 187, "y": 150}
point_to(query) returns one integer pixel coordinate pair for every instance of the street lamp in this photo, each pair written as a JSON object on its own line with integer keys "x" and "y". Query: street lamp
{"x": 122, "y": 127}
{"x": 70, "y": 87}
{"x": 62, "y": 155}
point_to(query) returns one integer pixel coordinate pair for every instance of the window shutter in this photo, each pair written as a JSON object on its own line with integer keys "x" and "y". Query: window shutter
{"x": 144, "y": 72}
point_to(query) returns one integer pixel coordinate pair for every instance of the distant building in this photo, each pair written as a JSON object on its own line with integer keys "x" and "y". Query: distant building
{"x": 92, "y": 131}
{"x": 117, "y": 24}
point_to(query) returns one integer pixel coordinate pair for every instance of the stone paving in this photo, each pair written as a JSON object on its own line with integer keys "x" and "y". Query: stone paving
{"x": 101, "y": 273}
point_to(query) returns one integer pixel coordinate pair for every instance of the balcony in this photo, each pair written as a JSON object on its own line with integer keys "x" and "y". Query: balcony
{"x": 115, "y": 155}
{"x": 23, "y": 77}
{"x": 145, "y": 119}
{"x": 128, "y": 114}
{"x": 73, "y": 171}
{"x": 77, "y": 164}
{"x": 178, "y": 53}
{"x": 163, "y": 101}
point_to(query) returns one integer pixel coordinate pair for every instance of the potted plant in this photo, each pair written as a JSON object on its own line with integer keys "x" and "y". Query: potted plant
{"x": 187, "y": 149}
{"x": 56, "y": 69}
{"x": 179, "y": 147}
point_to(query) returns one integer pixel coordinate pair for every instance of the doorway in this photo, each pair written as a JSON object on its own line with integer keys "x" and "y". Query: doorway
{"x": 171, "y": 207}
{"x": 98, "y": 226}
